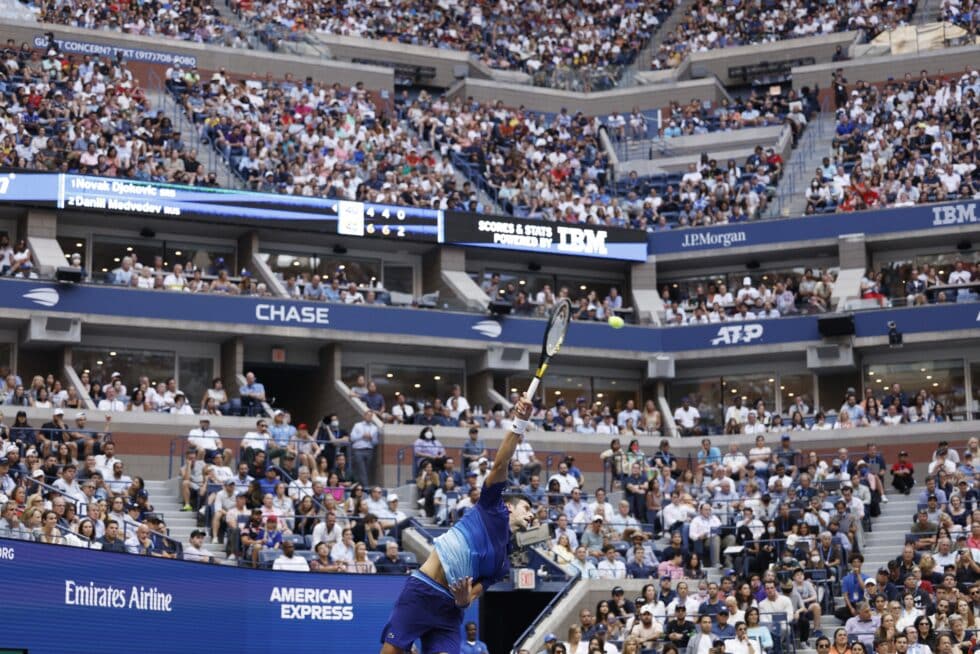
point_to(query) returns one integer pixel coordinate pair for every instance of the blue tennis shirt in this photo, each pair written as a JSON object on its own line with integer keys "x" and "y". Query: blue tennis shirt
{"x": 477, "y": 545}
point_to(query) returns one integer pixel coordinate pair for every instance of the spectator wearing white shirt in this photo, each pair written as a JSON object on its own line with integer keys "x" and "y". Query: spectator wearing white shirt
{"x": 688, "y": 419}
{"x": 111, "y": 402}
{"x": 288, "y": 559}
{"x": 960, "y": 276}
{"x": 194, "y": 550}
{"x": 600, "y": 506}
{"x": 611, "y": 566}
{"x": 67, "y": 484}
{"x": 364, "y": 437}
{"x": 704, "y": 534}
{"x": 207, "y": 440}
{"x": 328, "y": 531}
{"x": 302, "y": 486}
{"x": 181, "y": 407}
{"x": 457, "y": 403}
{"x": 566, "y": 482}
{"x": 258, "y": 440}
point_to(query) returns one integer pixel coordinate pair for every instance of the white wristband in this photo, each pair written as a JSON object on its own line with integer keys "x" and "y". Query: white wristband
{"x": 519, "y": 426}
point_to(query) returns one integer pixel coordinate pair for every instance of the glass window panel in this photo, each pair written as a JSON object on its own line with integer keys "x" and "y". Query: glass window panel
{"x": 975, "y": 379}
{"x": 399, "y": 279}
{"x": 567, "y": 387}
{"x": 417, "y": 384}
{"x": 899, "y": 271}
{"x": 72, "y": 245}
{"x": 107, "y": 253}
{"x": 833, "y": 389}
{"x": 616, "y": 392}
{"x": 360, "y": 271}
{"x": 206, "y": 258}
{"x": 941, "y": 381}
{"x": 793, "y": 387}
{"x": 289, "y": 265}
{"x": 194, "y": 377}
{"x": 100, "y": 363}
{"x": 6, "y": 356}
{"x": 752, "y": 389}
{"x": 349, "y": 374}
{"x": 704, "y": 394}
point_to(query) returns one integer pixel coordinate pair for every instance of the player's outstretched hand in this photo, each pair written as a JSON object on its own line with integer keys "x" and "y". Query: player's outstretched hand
{"x": 523, "y": 408}
{"x": 461, "y": 591}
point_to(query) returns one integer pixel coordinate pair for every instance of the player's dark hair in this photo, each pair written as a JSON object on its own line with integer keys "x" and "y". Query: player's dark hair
{"x": 514, "y": 498}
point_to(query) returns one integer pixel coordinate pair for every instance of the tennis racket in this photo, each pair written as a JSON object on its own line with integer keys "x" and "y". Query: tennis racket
{"x": 554, "y": 336}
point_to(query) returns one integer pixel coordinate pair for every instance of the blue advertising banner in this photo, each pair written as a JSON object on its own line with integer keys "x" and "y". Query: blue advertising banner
{"x": 541, "y": 237}
{"x": 416, "y": 323}
{"x": 273, "y": 312}
{"x": 172, "y": 201}
{"x": 810, "y": 228}
{"x": 67, "y": 599}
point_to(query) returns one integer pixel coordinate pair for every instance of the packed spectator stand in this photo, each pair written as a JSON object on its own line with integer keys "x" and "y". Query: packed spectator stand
{"x": 711, "y": 24}
{"x": 582, "y": 46}
{"x": 194, "y": 21}
{"x": 761, "y": 534}
{"x": 909, "y": 142}
{"x": 711, "y": 302}
{"x": 88, "y": 115}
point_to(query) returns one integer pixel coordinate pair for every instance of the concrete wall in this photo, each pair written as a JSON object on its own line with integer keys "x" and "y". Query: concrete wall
{"x": 212, "y": 58}
{"x": 718, "y": 62}
{"x": 592, "y": 104}
{"x": 879, "y": 69}
{"x": 738, "y": 147}
{"x": 445, "y": 62}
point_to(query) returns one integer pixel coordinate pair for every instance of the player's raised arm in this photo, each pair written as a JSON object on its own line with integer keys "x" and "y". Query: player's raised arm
{"x": 501, "y": 462}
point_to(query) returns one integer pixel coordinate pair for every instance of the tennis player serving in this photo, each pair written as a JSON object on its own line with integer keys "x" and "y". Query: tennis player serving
{"x": 469, "y": 557}
{"x": 473, "y": 554}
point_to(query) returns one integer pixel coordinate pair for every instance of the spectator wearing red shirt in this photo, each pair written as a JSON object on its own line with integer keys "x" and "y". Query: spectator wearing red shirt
{"x": 903, "y": 474}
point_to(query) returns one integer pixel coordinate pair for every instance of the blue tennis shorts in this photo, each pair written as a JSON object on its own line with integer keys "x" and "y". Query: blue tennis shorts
{"x": 427, "y": 611}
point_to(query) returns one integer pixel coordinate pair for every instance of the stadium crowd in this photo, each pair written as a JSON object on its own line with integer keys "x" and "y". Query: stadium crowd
{"x": 896, "y": 407}
{"x": 89, "y": 115}
{"x": 316, "y": 139}
{"x": 712, "y": 24}
{"x": 784, "y": 527}
{"x": 550, "y": 40}
{"x": 965, "y": 13}
{"x": 711, "y": 302}
{"x": 197, "y": 20}
{"x": 910, "y": 142}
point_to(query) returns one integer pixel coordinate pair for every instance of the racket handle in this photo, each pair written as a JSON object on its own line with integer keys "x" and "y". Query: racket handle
{"x": 533, "y": 388}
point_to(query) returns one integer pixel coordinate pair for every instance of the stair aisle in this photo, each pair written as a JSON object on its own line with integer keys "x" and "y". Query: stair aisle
{"x": 883, "y": 543}
{"x": 888, "y": 535}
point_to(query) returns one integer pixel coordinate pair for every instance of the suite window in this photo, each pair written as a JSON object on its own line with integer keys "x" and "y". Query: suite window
{"x": 108, "y": 253}
{"x": 704, "y": 395}
{"x": 130, "y": 364}
{"x": 417, "y": 384}
{"x": 941, "y": 381}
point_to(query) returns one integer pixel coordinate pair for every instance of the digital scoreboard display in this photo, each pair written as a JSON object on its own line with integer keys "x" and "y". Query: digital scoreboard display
{"x": 125, "y": 197}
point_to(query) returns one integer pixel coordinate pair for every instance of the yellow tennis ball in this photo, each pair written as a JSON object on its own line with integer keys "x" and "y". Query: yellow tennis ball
{"x": 616, "y": 322}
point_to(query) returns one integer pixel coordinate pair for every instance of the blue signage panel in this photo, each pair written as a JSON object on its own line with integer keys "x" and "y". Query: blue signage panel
{"x": 543, "y": 237}
{"x": 74, "y": 597}
{"x": 271, "y": 312}
{"x": 810, "y": 228}
{"x": 730, "y": 334}
{"x": 415, "y": 323}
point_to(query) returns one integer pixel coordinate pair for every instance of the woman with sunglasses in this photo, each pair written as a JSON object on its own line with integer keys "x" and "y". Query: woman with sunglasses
{"x": 926, "y": 634}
